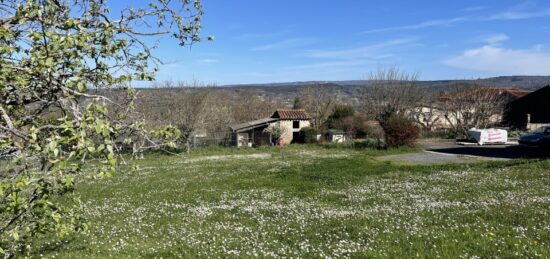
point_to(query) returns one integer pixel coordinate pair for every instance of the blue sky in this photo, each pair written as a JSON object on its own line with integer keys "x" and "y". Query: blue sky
{"x": 290, "y": 40}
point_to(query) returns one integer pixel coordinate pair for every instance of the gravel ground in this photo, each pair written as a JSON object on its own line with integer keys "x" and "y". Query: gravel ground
{"x": 444, "y": 151}
{"x": 429, "y": 157}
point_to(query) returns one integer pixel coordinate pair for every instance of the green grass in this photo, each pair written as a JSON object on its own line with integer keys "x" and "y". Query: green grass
{"x": 309, "y": 201}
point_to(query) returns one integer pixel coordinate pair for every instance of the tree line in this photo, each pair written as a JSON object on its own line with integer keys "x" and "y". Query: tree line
{"x": 197, "y": 108}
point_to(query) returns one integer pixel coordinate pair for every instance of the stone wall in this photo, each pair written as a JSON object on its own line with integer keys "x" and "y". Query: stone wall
{"x": 287, "y": 125}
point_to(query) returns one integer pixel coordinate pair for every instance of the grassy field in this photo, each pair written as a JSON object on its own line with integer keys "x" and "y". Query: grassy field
{"x": 313, "y": 202}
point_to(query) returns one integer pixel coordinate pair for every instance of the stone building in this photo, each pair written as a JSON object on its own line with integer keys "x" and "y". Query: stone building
{"x": 252, "y": 133}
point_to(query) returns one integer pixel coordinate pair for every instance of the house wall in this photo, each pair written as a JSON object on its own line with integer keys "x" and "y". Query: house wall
{"x": 443, "y": 120}
{"x": 534, "y": 126}
{"x": 435, "y": 117}
{"x": 287, "y": 125}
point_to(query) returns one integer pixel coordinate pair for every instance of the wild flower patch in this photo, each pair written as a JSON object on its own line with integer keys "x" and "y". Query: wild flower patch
{"x": 307, "y": 204}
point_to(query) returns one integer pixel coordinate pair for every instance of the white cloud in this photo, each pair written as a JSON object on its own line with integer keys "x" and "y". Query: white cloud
{"x": 521, "y": 12}
{"x": 490, "y": 58}
{"x": 289, "y": 43}
{"x": 357, "y": 57}
{"x": 519, "y": 15}
{"x": 208, "y": 61}
{"x": 375, "y": 51}
{"x": 474, "y": 8}
{"x": 422, "y": 25}
{"x": 538, "y": 47}
{"x": 332, "y": 64}
{"x": 495, "y": 39}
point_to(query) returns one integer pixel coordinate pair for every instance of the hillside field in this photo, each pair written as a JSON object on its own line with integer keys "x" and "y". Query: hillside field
{"x": 312, "y": 201}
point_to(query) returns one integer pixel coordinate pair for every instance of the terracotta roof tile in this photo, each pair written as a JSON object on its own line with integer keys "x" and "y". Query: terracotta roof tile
{"x": 518, "y": 92}
{"x": 290, "y": 114}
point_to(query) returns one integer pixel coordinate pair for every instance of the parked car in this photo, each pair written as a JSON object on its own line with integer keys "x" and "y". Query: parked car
{"x": 537, "y": 138}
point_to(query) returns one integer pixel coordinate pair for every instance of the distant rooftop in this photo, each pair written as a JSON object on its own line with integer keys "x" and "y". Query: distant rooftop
{"x": 512, "y": 92}
{"x": 290, "y": 114}
{"x": 517, "y": 92}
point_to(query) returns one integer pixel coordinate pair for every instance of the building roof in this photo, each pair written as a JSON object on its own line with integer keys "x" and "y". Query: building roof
{"x": 517, "y": 92}
{"x": 507, "y": 92}
{"x": 535, "y": 104}
{"x": 252, "y": 124}
{"x": 290, "y": 114}
{"x": 528, "y": 98}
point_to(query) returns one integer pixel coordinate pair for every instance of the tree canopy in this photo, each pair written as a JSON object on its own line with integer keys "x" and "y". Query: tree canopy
{"x": 53, "y": 53}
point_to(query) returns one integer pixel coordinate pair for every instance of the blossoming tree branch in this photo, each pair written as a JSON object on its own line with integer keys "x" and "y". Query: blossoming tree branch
{"x": 56, "y": 57}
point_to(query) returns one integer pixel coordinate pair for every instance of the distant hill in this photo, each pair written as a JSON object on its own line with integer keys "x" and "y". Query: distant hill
{"x": 526, "y": 82}
{"x": 285, "y": 93}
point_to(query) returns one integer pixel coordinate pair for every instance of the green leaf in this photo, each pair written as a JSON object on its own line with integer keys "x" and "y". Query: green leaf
{"x": 68, "y": 181}
{"x": 15, "y": 236}
{"x": 80, "y": 86}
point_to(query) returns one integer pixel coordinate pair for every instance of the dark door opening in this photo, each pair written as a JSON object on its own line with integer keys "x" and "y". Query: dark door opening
{"x": 297, "y": 137}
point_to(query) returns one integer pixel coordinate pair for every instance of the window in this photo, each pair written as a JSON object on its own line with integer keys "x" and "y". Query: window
{"x": 296, "y": 124}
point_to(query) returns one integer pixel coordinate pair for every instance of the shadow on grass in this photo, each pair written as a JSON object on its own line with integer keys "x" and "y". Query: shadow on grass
{"x": 506, "y": 152}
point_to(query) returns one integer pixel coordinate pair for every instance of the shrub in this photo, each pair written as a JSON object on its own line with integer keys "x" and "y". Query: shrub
{"x": 373, "y": 131}
{"x": 340, "y": 112}
{"x": 373, "y": 144}
{"x": 275, "y": 130}
{"x": 515, "y": 134}
{"x": 440, "y": 133}
{"x": 370, "y": 143}
{"x": 400, "y": 131}
{"x": 309, "y": 135}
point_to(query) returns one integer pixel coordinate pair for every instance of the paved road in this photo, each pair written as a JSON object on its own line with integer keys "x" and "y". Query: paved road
{"x": 488, "y": 151}
{"x": 441, "y": 152}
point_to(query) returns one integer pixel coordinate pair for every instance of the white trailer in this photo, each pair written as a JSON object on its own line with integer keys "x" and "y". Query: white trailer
{"x": 488, "y": 136}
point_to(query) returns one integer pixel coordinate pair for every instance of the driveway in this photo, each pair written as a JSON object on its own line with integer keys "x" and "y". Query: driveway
{"x": 486, "y": 151}
{"x": 442, "y": 152}
{"x": 429, "y": 157}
